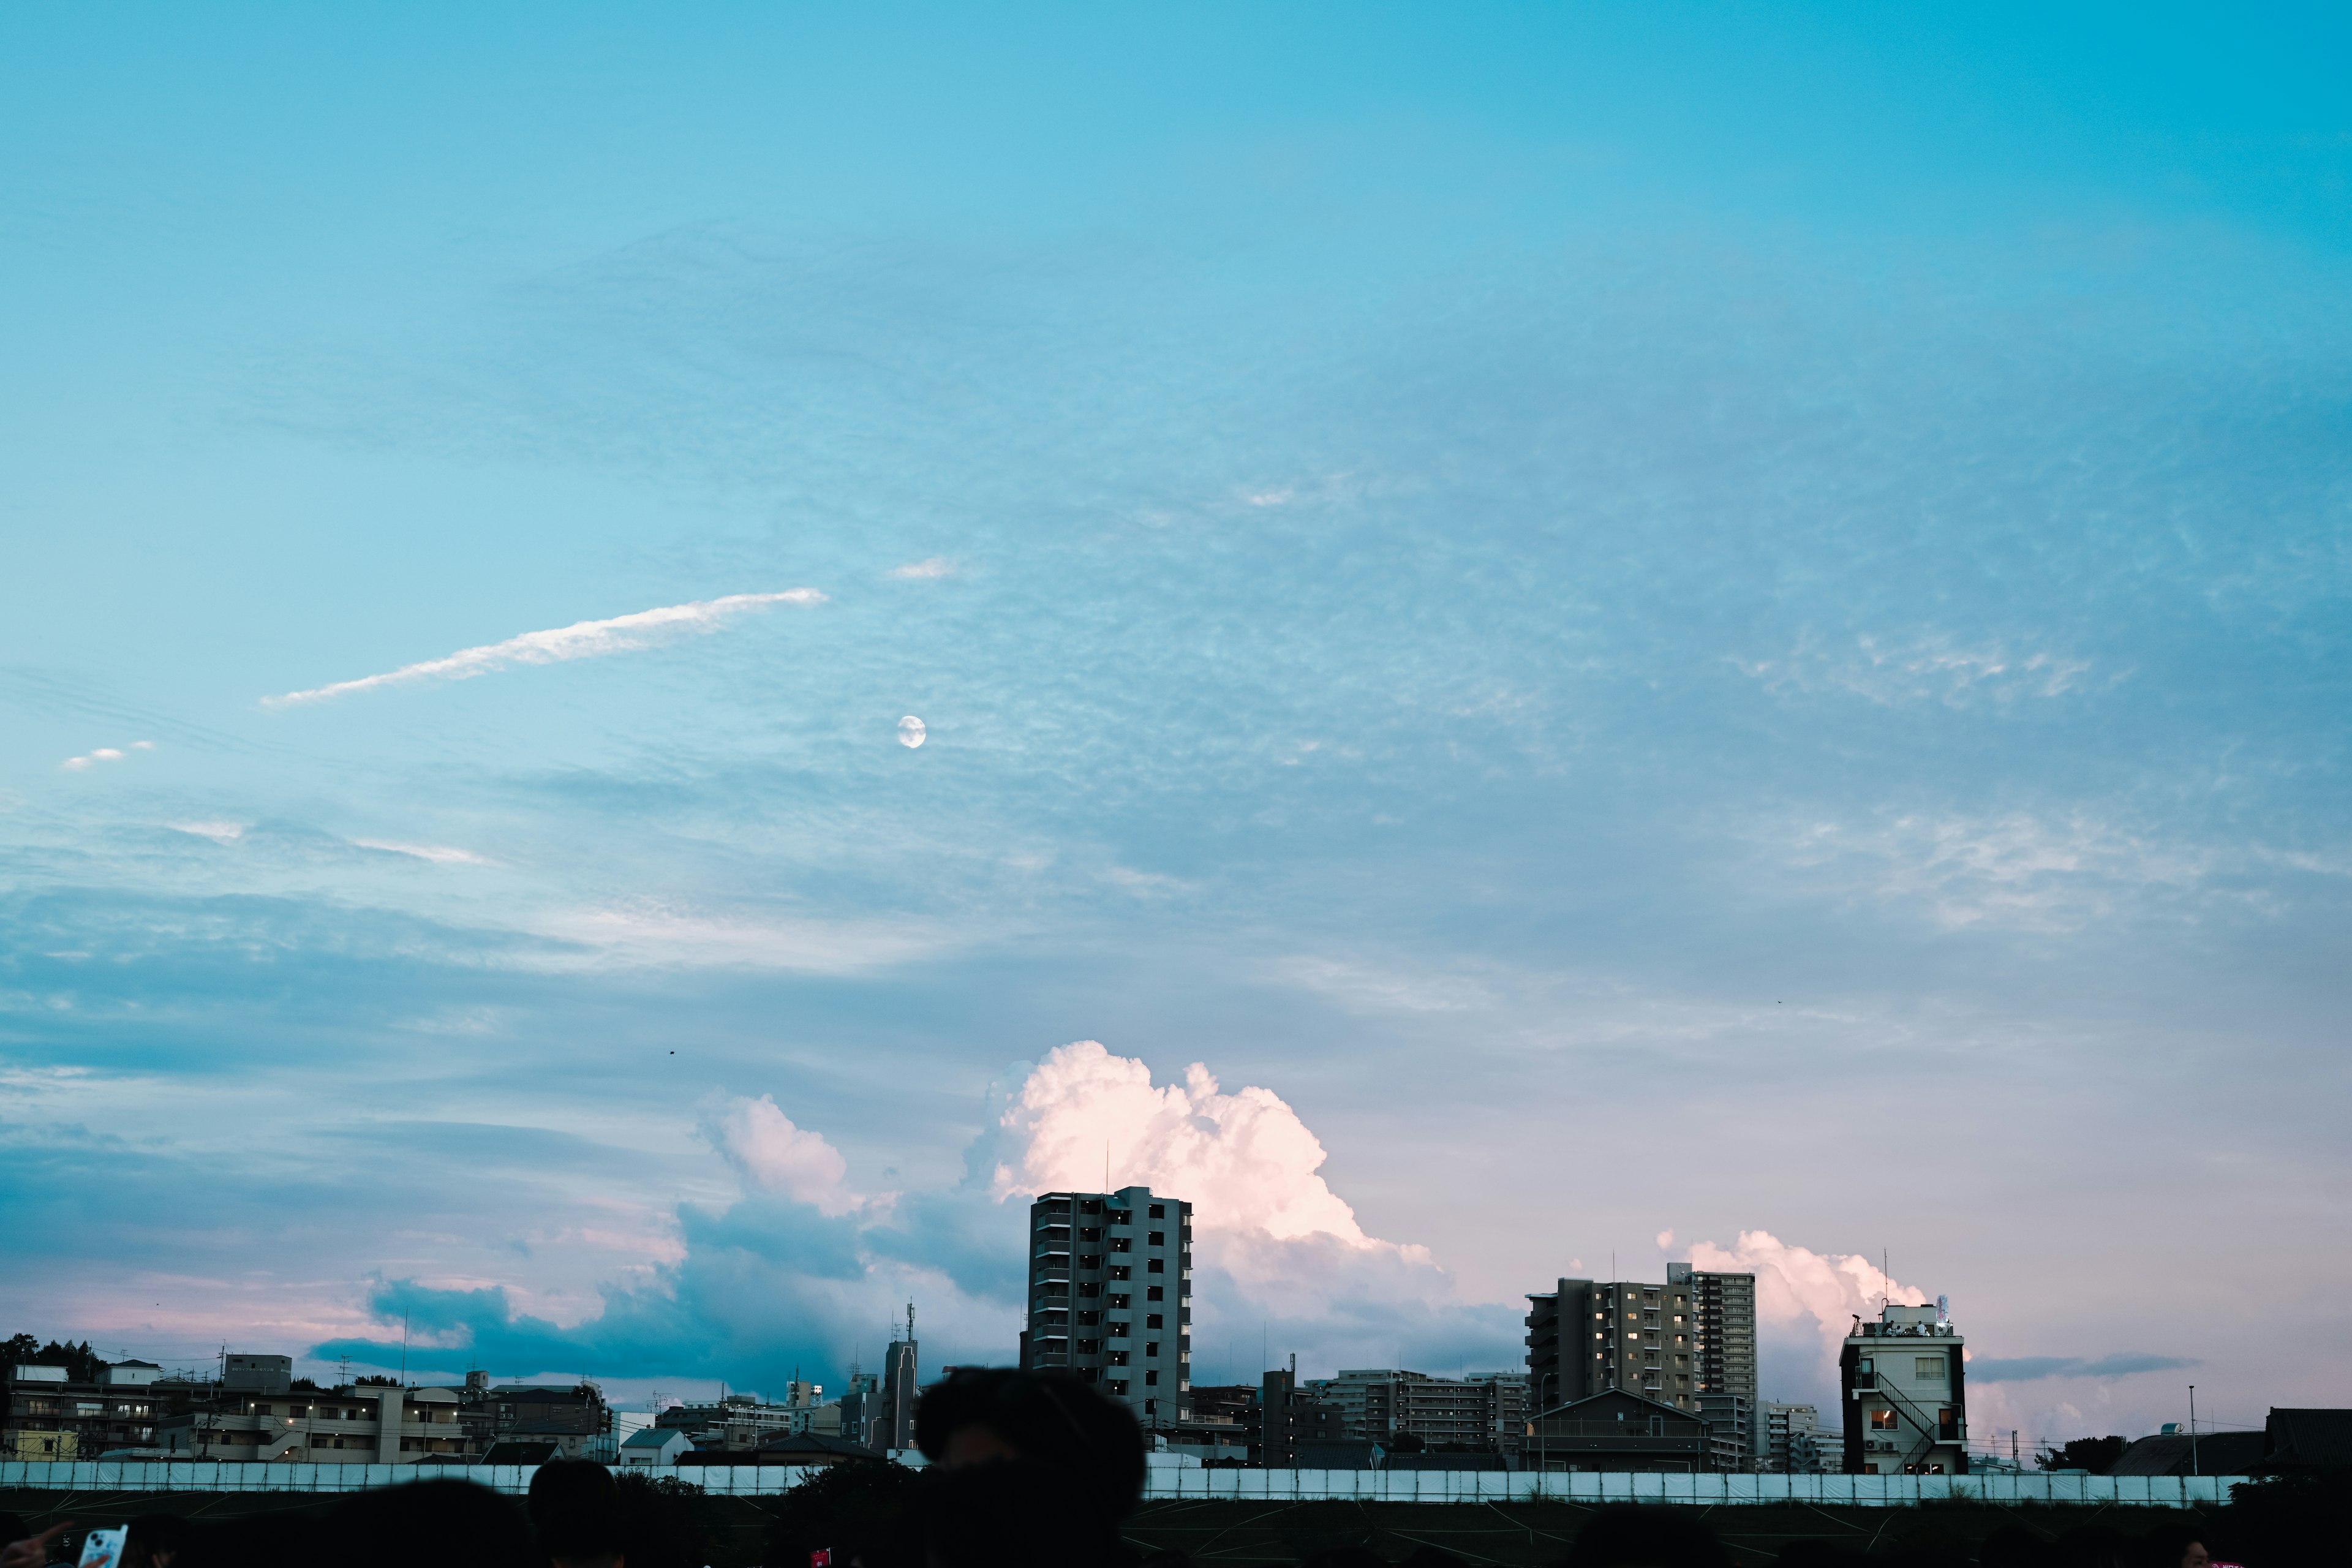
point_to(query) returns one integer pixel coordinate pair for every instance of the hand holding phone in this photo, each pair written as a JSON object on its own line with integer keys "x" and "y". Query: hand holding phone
{"x": 103, "y": 1548}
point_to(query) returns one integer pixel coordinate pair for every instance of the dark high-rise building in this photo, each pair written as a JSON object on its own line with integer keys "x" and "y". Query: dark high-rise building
{"x": 1724, "y": 1308}
{"x": 1282, "y": 1418}
{"x": 1110, "y": 1296}
{"x": 1586, "y": 1338}
{"x": 892, "y": 1423}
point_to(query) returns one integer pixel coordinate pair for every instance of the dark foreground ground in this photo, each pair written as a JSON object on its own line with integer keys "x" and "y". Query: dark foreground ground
{"x": 1522, "y": 1535}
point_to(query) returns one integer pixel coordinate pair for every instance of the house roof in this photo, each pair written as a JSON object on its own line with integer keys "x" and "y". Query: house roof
{"x": 513, "y": 1453}
{"x": 2309, "y": 1436}
{"x": 816, "y": 1443}
{"x": 1599, "y": 1404}
{"x": 653, "y": 1438}
{"x": 2217, "y": 1454}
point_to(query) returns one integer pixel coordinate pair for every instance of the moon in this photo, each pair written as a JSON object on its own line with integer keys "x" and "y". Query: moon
{"x": 911, "y": 731}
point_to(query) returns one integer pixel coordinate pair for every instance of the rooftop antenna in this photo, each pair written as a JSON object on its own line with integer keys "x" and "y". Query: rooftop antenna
{"x": 1105, "y": 1164}
{"x": 2192, "y": 1431}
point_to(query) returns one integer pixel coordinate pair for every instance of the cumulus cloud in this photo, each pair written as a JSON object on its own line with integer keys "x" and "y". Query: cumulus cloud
{"x": 936, "y": 566}
{"x": 1794, "y": 1284}
{"x": 1245, "y": 1161}
{"x": 801, "y": 1266}
{"x": 582, "y": 639}
{"x": 771, "y": 1154}
{"x": 1275, "y": 1246}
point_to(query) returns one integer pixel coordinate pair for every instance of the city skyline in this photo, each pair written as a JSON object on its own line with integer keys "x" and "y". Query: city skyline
{"x": 651, "y": 666}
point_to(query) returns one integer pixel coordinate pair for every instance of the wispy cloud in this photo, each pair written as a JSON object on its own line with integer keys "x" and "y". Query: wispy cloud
{"x": 936, "y": 566}
{"x": 218, "y": 832}
{"x": 582, "y": 639}
{"x": 2027, "y": 1369}
{"x": 104, "y": 754}
{"x": 1926, "y": 668}
{"x": 439, "y": 853}
{"x": 667, "y": 939}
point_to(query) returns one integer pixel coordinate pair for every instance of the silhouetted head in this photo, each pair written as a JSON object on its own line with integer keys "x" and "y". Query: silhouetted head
{"x": 575, "y": 1507}
{"x": 981, "y": 1416}
{"x": 1011, "y": 1514}
{"x": 1645, "y": 1538}
{"x": 2089, "y": 1546}
{"x": 2174, "y": 1546}
{"x": 443, "y": 1524}
{"x": 1344, "y": 1557}
{"x": 1818, "y": 1554}
{"x": 2010, "y": 1546}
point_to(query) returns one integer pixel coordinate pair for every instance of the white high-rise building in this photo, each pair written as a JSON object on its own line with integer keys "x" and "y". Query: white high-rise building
{"x": 1111, "y": 1297}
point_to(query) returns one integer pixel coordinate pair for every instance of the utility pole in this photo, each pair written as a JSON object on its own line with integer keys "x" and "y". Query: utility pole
{"x": 2192, "y": 1431}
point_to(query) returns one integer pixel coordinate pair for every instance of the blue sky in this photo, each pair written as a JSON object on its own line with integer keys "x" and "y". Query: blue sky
{"x": 1661, "y": 619}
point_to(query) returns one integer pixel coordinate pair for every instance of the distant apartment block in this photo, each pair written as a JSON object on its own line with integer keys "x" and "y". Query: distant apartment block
{"x": 1790, "y": 1440}
{"x": 1486, "y": 1414}
{"x": 1111, "y": 1297}
{"x": 1900, "y": 1383}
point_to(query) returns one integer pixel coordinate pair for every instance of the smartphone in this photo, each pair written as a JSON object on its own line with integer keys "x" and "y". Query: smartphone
{"x": 103, "y": 1548}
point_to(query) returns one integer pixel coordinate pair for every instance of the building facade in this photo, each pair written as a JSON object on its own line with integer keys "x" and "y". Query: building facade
{"x": 1616, "y": 1430}
{"x": 1284, "y": 1419}
{"x": 1789, "y": 1441}
{"x": 1586, "y": 1338}
{"x": 569, "y": 1420}
{"x": 45, "y": 1415}
{"x": 892, "y": 1426}
{"x": 345, "y": 1426}
{"x": 1486, "y": 1414}
{"x": 1111, "y": 1297}
{"x": 1900, "y": 1381}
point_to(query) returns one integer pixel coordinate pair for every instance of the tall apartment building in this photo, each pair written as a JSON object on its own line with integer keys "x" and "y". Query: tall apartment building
{"x": 1111, "y": 1297}
{"x": 1585, "y": 1338}
{"x": 1487, "y": 1413}
{"x": 1723, "y": 1305}
{"x": 1900, "y": 1383}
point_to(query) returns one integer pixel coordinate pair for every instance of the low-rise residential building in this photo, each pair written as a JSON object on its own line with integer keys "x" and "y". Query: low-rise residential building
{"x": 1900, "y": 1382}
{"x": 365, "y": 1425}
{"x": 571, "y": 1419}
{"x": 653, "y": 1447}
{"x": 1616, "y": 1430}
{"x": 45, "y": 1417}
